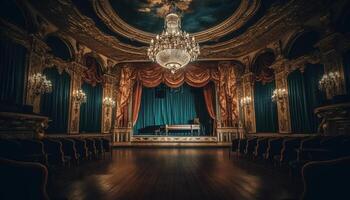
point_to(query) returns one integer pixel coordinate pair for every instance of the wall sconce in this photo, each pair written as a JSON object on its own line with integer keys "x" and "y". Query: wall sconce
{"x": 329, "y": 82}
{"x": 279, "y": 95}
{"x": 38, "y": 84}
{"x": 109, "y": 103}
{"x": 79, "y": 97}
{"x": 245, "y": 101}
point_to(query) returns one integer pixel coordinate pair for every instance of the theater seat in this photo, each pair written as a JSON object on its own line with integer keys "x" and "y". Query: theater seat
{"x": 261, "y": 147}
{"x": 250, "y": 147}
{"x": 22, "y": 180}
{"x": 55, "y": 152}
{"x": 326, "y": 180}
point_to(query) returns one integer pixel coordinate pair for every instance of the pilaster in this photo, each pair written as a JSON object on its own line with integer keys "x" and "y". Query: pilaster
{"x": 284, "y": 121}
{"x": 107, "y": 112}
{"x": 249, "y": 110}
{"x": 36, "y": 63}
{"x": 74, "y": 108}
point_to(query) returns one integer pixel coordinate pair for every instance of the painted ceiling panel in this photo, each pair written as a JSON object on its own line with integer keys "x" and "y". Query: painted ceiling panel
{"x": 198, "y": 15}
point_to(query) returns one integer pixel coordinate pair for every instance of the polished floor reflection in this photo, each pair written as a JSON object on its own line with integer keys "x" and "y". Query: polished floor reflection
{"x": 168, "y": 174}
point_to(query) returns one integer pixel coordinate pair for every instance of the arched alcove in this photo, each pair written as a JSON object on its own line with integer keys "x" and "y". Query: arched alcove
{"x": 265, "y": 109}
{"x": 59, "y": 47}
{"x": 302, "y": 44}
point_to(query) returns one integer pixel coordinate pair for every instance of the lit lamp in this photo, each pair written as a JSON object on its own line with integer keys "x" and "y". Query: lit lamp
{"x": 245, "y": 101}
{"x": 279, "y": 95}
{"x": 38, "y": 84}
{"x": 329, "y": 81}
{"x": 79, "y": 97}
{"x": 109, "y": 103}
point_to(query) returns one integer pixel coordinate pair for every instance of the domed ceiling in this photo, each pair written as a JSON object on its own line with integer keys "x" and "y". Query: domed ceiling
{"x": 136, "y": 22}
{"x": 123, "y": 29}
{"x": 197, "y": 15}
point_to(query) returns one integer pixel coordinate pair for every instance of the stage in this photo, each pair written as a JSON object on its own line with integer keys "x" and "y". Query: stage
{"x": 172, "y": 141}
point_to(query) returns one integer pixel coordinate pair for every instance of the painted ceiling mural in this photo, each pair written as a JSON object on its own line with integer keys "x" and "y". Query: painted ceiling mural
{"x": 122, "y": 29}
{"x": 197, "y": 15}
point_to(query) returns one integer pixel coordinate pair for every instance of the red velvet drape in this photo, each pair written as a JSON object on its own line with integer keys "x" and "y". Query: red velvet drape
{"x": 136, "y": 99}
{"x": 195, "y": 76}
{"x": 208, "y": 92}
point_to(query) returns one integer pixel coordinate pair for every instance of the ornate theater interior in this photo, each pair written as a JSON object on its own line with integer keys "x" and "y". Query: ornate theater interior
{"x": 175, "y": 99}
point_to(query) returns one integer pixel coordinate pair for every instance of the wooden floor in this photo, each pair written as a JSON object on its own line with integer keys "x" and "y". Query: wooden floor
{"x": 173, "y": 173}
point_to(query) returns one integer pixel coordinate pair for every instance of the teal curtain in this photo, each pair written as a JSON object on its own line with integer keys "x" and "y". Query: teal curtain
{"x": 91, "y": 111}
{"x": 178, "y": 106}
{"x": 304, "y": 97}
{"x": 347, "y": 71}
{"x": 298, "y": 104}
{"x": 55, "y": 105}
{"x": 314, "y": 97}
{"x": 265, "y": 109}
{"x": 12, "y": 72}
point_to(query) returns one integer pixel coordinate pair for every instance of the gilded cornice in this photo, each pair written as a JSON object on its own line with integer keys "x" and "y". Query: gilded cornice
{"x": 271, "y": 27}
{"x": 13, "y": 32}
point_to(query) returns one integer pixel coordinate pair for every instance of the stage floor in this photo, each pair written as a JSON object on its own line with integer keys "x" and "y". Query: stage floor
{"x": 173, "y": 174}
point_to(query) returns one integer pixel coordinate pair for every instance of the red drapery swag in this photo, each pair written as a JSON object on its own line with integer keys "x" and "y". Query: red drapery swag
{"x": 136, "y": 100}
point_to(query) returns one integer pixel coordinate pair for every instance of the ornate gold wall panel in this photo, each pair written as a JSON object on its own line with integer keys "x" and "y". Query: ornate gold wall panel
{"x": 249, "y": 110}
{"x": 284, "y": 123}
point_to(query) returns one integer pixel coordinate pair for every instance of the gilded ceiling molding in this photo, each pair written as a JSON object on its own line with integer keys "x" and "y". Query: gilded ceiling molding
{"x": 271, "y": 27}
{"x": 83, "y": 29}
{"x": 244, "y": 12}
{"x": 14, "y": 33}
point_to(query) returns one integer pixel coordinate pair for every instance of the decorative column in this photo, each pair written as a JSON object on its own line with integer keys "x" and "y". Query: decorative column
{"x": 331, "y": 48}
{"x": 74, "y": 108}
{"x": 36, "y": 61}
{"x": 107, "y": 111}
{"x": 284, "y": 121}
{"x": 248, "y": 108}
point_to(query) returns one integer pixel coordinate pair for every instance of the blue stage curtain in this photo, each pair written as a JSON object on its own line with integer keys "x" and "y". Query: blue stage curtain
{"x": 314, "y": 97}
{"x": 298, "y": 104}
{"x": 265, "y": 109}
{"x": 178, "y": 106}
{"x": 55, "y": 105}
{"x": 91, "y": 111}
{"x": 12, "y": 72}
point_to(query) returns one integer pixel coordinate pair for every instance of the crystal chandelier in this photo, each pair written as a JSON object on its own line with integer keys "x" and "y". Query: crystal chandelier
{"x": 279, "y": 95}
{"x": 109, "y": 102}
{"x": 38, "y": 84}
{"x": 329, "y": 81}
{"x": 79, "y": 97}
{"x": 174, "y": 48}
